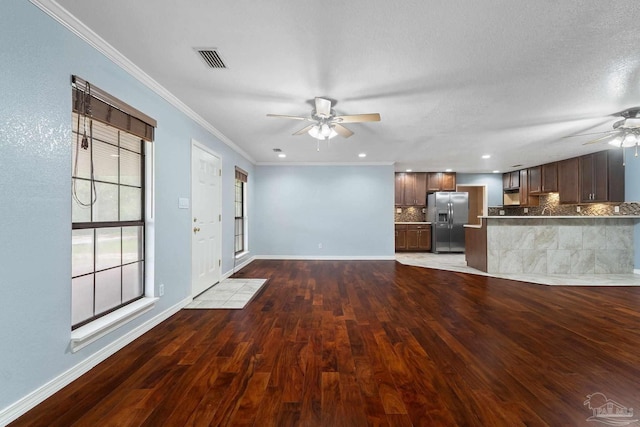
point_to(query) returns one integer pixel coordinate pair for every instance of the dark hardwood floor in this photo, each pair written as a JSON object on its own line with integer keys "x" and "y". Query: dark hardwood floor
{"x": 375, "y": 343}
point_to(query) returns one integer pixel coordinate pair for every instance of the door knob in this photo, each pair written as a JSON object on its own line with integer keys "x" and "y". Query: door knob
{"x": 196, "y": 229}
{"x": 195, "y": 219}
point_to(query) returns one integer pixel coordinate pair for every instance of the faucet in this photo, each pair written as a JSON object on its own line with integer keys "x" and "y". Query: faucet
{"x": 544, "y": 209}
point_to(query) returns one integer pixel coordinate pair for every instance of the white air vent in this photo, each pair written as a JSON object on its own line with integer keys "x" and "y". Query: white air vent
{"x": 212, "y": 58}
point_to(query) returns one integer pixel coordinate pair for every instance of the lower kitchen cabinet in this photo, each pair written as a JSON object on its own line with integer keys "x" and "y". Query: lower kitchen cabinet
{"x": 413, "y": 237}
{"x": 401, "y": 237}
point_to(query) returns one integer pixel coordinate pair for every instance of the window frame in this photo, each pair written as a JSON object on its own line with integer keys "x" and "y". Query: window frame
{"x": 124, "y": 128}
{"x": 240, "y": 188}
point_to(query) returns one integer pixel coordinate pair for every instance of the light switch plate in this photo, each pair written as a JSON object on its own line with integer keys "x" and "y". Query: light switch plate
{"x": 616, "y": 209}
{"x": 501, "y": 212}
{"x": 183, "y": 203}
{"x": 526, "y": 210}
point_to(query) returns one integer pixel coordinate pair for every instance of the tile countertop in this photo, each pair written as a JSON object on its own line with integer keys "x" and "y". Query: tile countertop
{"x": 423, "y": 222}
{"x": 558, "y": 216}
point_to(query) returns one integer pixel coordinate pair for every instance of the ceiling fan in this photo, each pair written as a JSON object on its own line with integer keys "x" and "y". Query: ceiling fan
{"x": 625, "y": 133}
{"x": 325, "y": 124}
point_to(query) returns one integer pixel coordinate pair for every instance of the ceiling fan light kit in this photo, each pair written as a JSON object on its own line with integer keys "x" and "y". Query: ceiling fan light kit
{"x": 325, "y": 123}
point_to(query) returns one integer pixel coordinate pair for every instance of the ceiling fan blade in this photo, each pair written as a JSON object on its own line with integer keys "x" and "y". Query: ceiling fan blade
{"x": 286, "y": 117}
{"x": 591, "y": 133}
{"x": 602, "y": 138}
{"x": 323, "y": 107}
{"x": 358, "y": 118}
{"x": 303, "y": 130}
{"x": 342, "y": 131}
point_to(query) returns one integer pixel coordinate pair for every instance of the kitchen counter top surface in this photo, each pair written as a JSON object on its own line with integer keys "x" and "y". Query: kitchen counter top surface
{"x": 414, "y": 223}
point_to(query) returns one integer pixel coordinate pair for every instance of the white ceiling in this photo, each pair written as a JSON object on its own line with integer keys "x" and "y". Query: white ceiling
{"x": 452, "y": 80}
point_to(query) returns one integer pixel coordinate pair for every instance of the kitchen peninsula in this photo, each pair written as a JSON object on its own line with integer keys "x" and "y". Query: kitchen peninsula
{"x": 552, "y": 244}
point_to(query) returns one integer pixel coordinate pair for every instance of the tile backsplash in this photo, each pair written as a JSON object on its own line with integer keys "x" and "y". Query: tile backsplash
{"x": 549, "y": 206}
{"x": 409, "y": 214}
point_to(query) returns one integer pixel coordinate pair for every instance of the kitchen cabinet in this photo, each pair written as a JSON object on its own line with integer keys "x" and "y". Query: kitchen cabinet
{"x": 441, "y": 181}
{"x": 601, "y": 177}
{"x": 413, "y": 237}
{"x": 511, "y": 180}
{"x": 543, "y": 178}
{"x": 411, "y": 189}
{"x": 401, "y": 237}
{"x": 526, "y": 198}
{"x": 516, "y": 189}
{"x": 399, "y": 188}
{"x": 569, "y": 181}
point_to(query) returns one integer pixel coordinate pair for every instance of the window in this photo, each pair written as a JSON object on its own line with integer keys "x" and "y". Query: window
{"x": 240, "y": 215}
{"x": 108, "y": 202}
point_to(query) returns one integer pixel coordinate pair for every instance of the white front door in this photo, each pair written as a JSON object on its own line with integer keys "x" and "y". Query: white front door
{"x": 206, "y": 242}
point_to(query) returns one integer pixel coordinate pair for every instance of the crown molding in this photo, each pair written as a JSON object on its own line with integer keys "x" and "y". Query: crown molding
{"x": 324, "y": 163}
{"x": 73, "y": 24}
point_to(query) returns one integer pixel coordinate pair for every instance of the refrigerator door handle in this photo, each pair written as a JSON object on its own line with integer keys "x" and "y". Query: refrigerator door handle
{"x": 450, "y": 215}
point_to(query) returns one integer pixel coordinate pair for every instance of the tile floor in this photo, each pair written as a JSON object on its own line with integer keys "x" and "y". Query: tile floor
{"x": 456, "y": 262}
{"x": 228, "y": 294}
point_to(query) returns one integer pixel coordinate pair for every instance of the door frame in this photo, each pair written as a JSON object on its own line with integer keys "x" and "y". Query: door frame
{"x": 199, "y": 145}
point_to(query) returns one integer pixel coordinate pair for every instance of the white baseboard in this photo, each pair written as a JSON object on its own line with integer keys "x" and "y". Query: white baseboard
{"x": 237, "y": 268}
{"x": 12, "y": 412}
{"x": 329, "y": 257}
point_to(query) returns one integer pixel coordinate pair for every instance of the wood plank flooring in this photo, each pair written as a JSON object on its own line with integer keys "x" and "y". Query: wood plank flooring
{"x": 370, "y": 343}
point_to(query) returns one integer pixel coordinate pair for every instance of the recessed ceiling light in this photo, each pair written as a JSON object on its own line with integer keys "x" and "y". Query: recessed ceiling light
{"x": 486, "y": 156}
{"x": 362, "y": 155}
{"x": 282, "y": 155}
{"x": 448, "y": 170}
{"x": 496, "y": 171}
{"x": 409, "y": 170}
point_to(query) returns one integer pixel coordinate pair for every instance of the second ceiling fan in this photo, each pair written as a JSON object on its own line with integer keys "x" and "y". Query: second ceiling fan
{"x": 325, "y": 124}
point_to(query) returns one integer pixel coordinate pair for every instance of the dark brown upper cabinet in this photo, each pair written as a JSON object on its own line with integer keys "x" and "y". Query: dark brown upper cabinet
{"x": 569, "y": 181}
{"x": 543, "y": 178}
{"x": 411, "y": 189}
{"x": 511, "y": 180}
{"x": 441, "y": 181}
{"x": 602, "y": 177}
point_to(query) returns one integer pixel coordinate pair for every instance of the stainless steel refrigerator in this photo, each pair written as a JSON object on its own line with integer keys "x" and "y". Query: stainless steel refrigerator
{"x": 447, "y": 212}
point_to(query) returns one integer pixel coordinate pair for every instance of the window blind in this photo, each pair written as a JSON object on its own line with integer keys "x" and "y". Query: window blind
{"x": 99, "y": 105}
{"x": 241, "y": 175}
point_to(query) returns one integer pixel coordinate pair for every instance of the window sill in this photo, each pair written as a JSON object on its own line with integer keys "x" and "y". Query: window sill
{"x": 85, "y": 335}
{"x": 241, "y": 254}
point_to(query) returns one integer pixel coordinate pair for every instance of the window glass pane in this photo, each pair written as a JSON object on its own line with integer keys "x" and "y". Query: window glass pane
{"x": 81, "y": 169}
{"x": 130, "y": 204}
{"x": 130, "y": 168}
{"x": 105, "y": 162}
{"x": 81, "y": 298}
{"x": 80, "y": 200}
{"x": 107, "y": 289}
{"x": 130, "y": 142}
{"x": 81, "y": 252}
{"x": 131, "y": 244}
{"x": 108, "y": 248}
{"x": 131, "y": 281}
{"x": 106, "y": 205}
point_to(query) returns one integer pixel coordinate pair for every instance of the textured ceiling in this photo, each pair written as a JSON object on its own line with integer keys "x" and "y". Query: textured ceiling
{"x": 452, "y": 80}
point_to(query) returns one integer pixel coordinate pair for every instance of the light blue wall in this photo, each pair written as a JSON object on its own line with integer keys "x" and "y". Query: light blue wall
{"x": 493, "y": 181}
{"x": 37, "y": 58}
{"x": 632, "y": 194}
{"x": 347, "y": 209}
